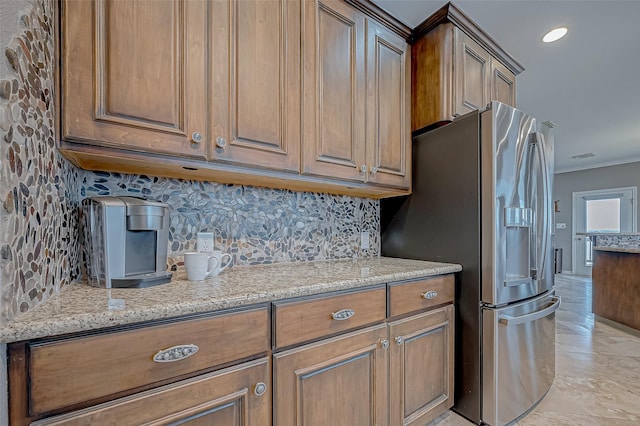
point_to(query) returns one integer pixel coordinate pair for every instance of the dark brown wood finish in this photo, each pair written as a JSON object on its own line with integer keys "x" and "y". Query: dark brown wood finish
{"x": 421, "y": 366}
{"x": 373, "y": 11}
{"x": 616, "y": 287}
{"x": 450, "y": 13}
{"x": 64, "y": 373}
{"x": 408, "y": 296}
{"x": 337, "y": 381}
{"x": 302, "y": 321}
{"x": 18, "y": 384}
{"x": 227, "y": 397}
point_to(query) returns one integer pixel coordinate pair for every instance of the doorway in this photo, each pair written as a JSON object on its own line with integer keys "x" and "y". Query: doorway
{"x": 602, "y": 211}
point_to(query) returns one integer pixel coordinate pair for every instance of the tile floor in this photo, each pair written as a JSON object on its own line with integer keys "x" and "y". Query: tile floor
{"x": 597, "y": 368}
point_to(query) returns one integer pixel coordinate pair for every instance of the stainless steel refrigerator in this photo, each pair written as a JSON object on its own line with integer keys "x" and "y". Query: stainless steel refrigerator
{"x": 482, "y": 198}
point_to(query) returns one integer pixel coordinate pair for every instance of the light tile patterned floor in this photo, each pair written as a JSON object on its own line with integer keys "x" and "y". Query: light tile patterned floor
{"x": 597, "y": 368}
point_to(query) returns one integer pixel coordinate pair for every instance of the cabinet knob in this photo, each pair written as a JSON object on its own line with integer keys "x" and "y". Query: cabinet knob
{"x": 398, "y": 340}
{"x": 363, "y": 168}
{"x": 196, "y": 137}
{"x": 260, "y": 388}
{"x": 384, "y": 344}
{"x": 221, "y": 142}
{"x": 374, "y": 170}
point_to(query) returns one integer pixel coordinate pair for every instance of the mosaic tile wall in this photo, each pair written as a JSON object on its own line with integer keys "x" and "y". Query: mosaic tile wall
{"x": 626, "y": 241}
{"x": 254, "y": 225}
{"x": 39, "y": 190}
{"x": 40, "y": 194}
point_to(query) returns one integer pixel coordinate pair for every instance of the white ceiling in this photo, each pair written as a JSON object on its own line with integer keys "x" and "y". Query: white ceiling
{"x": 587, "y": 83}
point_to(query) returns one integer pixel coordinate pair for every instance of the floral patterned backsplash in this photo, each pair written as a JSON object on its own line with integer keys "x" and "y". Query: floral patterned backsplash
{"x": 40, "y": 193}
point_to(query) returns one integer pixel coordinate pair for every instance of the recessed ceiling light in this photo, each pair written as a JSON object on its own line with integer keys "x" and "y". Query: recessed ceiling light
{"x": 554, "y": 34}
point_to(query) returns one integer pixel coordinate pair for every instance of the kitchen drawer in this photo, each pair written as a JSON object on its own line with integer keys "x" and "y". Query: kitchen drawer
{"x": 415, "y": 295}
{"x": 67, "y": 372}
{"x": 238, "y": 395}
{"x": 303, "y": 320}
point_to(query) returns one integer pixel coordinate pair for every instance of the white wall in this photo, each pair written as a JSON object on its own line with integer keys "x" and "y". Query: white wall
{"x": 565, "y": 184}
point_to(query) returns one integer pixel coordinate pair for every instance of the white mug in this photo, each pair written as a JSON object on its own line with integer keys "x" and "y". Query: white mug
{"x": 199, "y": 265}
{"x": 219, "y": 256}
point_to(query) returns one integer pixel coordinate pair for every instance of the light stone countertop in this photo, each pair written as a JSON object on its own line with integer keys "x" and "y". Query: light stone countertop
{"x": 79, "y": 307}
{"x": 618, "y": 249}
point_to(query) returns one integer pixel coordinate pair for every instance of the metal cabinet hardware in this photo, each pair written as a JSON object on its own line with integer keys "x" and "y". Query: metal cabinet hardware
{"x": 374, "y": 170}
{"x": 384, "y": 344}
{"x": 175, "y": 353}
{"x": 398, "y": 340}
{"x": 260, "y": 388}
{"x": 196, "y": 137}
{"x": 343, "y": 314}
{"x": 363, "y": 168}
{"x": 221, "y": 142}
{"x": 430, "y": 294}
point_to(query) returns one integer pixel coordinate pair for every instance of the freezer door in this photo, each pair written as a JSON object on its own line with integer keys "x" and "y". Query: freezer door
{"x": 518, "y": 357}
{"x": 516, "y": 185}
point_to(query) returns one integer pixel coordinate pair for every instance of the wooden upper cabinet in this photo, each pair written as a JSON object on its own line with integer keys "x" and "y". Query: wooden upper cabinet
{"x": 457, "y": 68}
{"x": 255, "y": 91}
{"x": 334, "y": 90}
{"x": 388, "y": 107}
{"x": 472, "y": 73}
{"x": 356, "y": 88}
{"x": 133, "y": 74}
{"x": 503, "y": 83}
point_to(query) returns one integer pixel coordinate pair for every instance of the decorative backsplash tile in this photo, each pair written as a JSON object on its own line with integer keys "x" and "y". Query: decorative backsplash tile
{"x": 254, "y": 225}
{"x": 41, "y": 193}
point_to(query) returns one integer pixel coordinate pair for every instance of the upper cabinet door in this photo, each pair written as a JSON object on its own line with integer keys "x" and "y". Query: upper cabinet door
{"x": 133, "y": 74}
{"x": 388, "y": 107}
{"x": 472, "y": 73}
{"x": 255, "y": 83}
{"x": 503, "y": 84}
{"x": 333, "y": 90}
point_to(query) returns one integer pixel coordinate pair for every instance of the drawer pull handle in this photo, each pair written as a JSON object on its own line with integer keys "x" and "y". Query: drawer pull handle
{"x": 260, "y": 388}
{"x": 343, "y": 314}
{"x": 430, "y": 295}
{"x": 398, "y": 340}
{"x": 384, "y": 344}
{"x": 175, "y": 353}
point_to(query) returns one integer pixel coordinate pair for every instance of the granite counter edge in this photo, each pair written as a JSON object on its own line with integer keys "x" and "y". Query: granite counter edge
{"x": 83, "y": 322}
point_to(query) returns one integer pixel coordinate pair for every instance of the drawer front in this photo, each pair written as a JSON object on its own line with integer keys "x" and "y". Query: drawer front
{"x": 417, "y": 295}
{"x": 68, "y": 372}
{"x": 238, "y": 395}
{"x": 300, "y": 321}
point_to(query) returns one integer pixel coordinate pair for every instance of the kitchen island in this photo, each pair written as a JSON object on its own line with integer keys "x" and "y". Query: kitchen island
{"x": 616, "y": 284}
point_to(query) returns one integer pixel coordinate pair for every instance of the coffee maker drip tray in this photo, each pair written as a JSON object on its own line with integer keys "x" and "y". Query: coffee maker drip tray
{"x": 142, "y": 280}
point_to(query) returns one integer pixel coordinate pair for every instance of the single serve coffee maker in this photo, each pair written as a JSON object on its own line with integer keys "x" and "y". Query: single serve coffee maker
{"x": 126, "y": 241}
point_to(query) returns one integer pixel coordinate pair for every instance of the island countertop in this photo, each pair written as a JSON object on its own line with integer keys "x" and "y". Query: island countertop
{"x": 619, "y": 249}
{"x": 79, "y": 307}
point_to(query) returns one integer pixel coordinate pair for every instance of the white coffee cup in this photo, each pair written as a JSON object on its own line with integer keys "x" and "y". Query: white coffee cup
{"x": 200, "y": 265}
{"x": 220, "y": 257}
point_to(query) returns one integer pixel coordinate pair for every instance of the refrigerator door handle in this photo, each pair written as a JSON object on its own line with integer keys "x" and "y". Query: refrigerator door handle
{"x": 537, "y": 140}
{"x": 551, "y": 308}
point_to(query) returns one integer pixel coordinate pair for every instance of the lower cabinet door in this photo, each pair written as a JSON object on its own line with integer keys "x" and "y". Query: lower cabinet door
{"x": 340, "y": 381}
{"x": 421, "y": 367}
{"x": 236, "y": 396}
